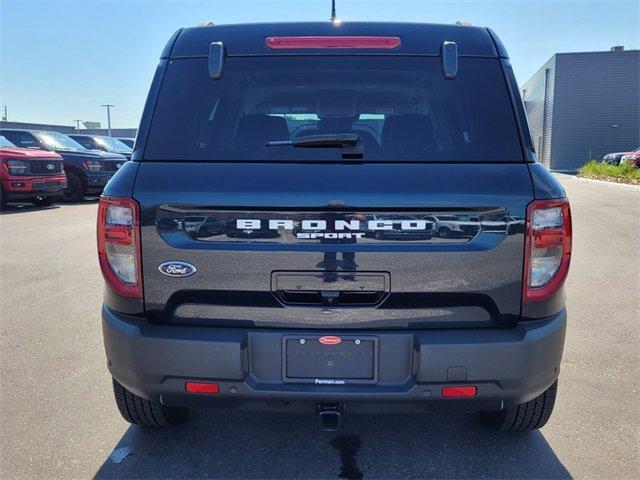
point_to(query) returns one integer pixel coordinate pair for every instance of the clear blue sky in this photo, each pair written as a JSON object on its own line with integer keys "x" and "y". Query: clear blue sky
{"x": 59, "y": 60}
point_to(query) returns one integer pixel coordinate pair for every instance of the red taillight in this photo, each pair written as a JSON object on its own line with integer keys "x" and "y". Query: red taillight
{"x": 281, "y": 43}
{"x": 201, "y": 387}
{"x": 121, "y": 235}
{"x": 119, "y": 245}
{"x": 548, "y": 238}
{"x": 460, "y": 391}
{"x": 547, "y": 248}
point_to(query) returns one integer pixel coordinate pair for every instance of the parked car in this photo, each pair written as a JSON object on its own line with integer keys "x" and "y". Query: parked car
{"x": 457, "y": 226}
{"x": 405, "y": 227}
{"x": 104, "y": 143}
{"x": 88, "y": 171}
{"x": 30, "y": 175}
{"x": 614, "y": 158}
{"x": 632, "y": 158}
{"x": 263, "y": 231}
{"x": 202, "y": 227}
{"x": 129, "y": 142}
{"x": 168, "y": 224}
{"x": 475, "y": 323}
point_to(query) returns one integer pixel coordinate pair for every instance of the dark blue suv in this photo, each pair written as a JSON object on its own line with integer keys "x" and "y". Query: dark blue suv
{"x": 336, "y": 218}
{"x": 88, "y": 171}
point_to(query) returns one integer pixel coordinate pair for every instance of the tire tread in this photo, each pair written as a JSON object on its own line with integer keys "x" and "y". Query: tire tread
{"x": 527, "y": 416}
{"x": 140, "y": 411}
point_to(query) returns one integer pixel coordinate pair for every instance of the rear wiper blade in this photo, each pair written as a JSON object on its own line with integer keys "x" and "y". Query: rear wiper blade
{"x": 350, "y": 143}
{"x": 319, "y": 141}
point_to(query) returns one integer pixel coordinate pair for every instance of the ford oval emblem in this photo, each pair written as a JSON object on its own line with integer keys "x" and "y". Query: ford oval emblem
{"x": 330, "y": 340}
{"x": 177, "y": 269}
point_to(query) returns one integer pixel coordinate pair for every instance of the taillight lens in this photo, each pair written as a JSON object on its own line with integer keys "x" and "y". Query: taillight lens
{"x": 547, "y": 248}
{"x": 119, "y": 245}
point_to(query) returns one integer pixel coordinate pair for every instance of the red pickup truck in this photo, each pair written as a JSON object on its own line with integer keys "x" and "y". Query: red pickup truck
{"x": 29, "y": 175}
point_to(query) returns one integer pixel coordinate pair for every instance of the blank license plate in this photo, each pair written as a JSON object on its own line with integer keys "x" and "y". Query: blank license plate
{"x": 307, "y": 360}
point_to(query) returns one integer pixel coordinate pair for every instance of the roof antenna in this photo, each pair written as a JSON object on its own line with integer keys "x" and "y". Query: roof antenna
{"x": 334, "y": 18}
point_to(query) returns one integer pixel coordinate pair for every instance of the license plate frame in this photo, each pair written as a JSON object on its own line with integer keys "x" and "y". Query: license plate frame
{"x": 365, "y": 370}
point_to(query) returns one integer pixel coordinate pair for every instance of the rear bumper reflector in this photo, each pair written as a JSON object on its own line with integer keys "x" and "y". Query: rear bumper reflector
{"x": 202, "y": 387}
{"x": 460, "y": 391}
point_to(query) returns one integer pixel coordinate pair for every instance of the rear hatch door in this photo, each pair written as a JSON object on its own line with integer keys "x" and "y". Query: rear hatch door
{"x": 423, "y": 230}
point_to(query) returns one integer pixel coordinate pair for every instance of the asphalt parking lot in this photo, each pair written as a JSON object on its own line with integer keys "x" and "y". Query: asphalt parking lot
{"x": 59, "y": 420}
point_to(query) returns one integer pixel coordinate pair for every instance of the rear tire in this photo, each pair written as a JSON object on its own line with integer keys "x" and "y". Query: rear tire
{"x": 75, "y": 188}
{"x": 527, "y": 416}
{"x": 140, "y": 411}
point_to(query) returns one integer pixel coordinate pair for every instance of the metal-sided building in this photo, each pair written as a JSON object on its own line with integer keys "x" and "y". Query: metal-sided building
{"x": 584, "y": 105}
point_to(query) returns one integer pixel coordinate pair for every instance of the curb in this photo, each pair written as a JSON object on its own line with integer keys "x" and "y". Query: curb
{"x": 627, "y": 186}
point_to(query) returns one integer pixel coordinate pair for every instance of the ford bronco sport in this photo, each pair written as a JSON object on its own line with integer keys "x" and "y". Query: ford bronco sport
{"x": 300, "y": 142}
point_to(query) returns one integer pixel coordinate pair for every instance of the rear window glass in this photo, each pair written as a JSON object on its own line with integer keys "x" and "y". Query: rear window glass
{"x": 401, "y": 107}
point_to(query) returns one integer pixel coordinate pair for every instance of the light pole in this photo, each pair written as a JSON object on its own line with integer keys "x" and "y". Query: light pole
{"x": 334, "y": 18}
{"x": 108, "y": 106}
{"x": 77, "y": 125}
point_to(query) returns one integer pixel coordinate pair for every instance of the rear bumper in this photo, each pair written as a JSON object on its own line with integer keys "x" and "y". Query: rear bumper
{"x": 508, "y": 366}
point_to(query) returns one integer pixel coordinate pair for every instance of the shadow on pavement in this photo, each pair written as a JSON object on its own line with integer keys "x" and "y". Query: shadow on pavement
{"x": 24, "y": 207}
{"x": 13, "y": 208}
{"x": 235, "y": 444}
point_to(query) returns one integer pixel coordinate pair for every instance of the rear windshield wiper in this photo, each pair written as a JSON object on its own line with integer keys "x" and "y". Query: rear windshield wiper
{"x": 349, "y": 142}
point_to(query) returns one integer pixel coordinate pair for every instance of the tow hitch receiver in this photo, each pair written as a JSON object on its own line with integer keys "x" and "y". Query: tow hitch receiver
{"x": 330, "y": 416}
